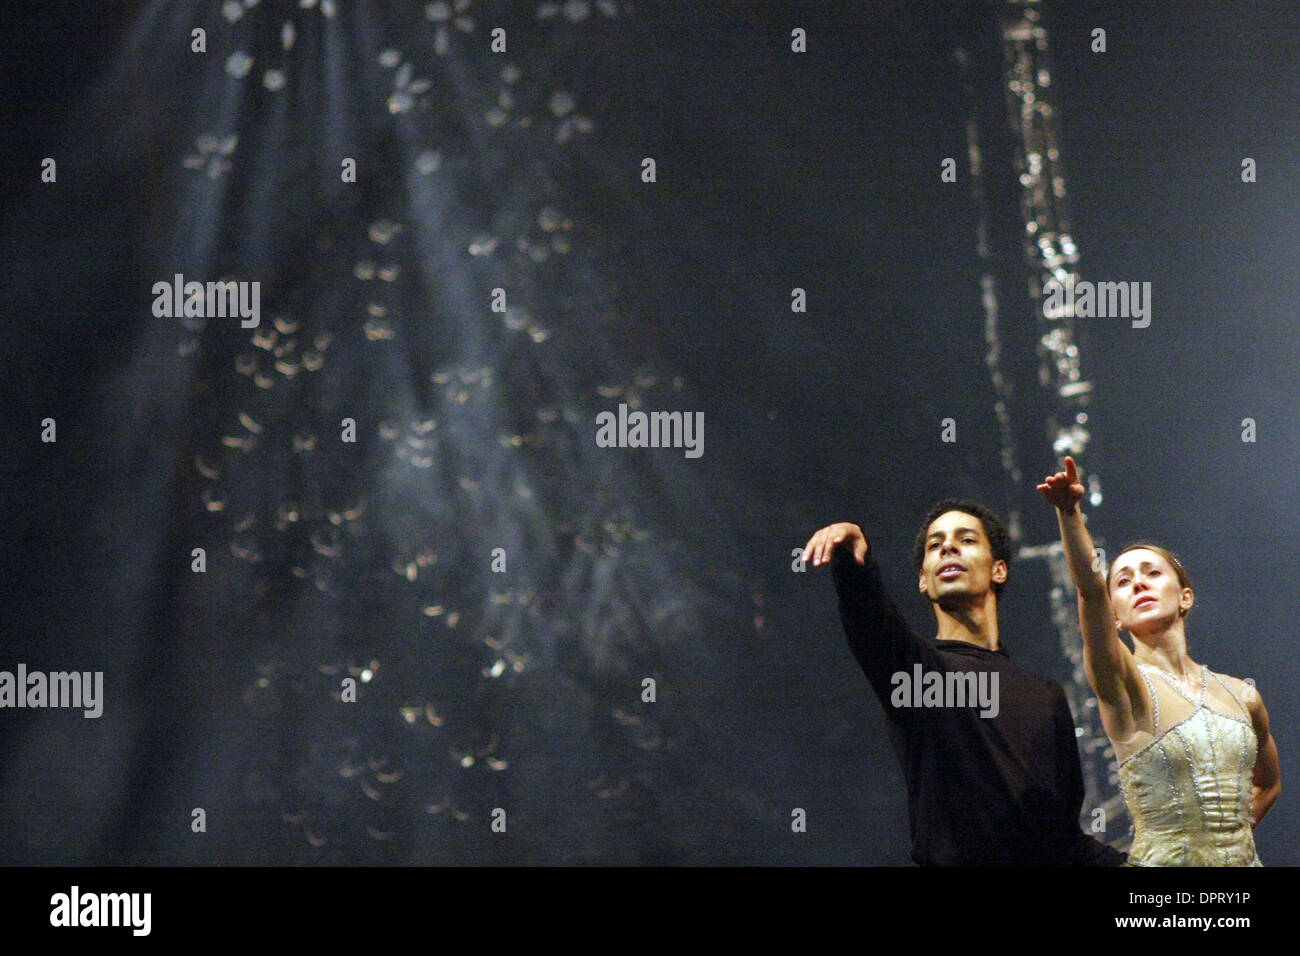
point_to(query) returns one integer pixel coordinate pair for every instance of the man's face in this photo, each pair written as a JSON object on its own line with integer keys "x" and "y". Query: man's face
{"x": 958, "y": 567}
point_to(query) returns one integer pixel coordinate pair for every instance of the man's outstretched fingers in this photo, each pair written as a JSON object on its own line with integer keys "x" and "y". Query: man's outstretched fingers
{"x": 816, "y": 547}
{"x": 810, "y": 549}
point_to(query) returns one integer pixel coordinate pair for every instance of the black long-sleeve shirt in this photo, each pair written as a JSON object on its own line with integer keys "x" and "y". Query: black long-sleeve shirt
{"x": 997, "y": 790}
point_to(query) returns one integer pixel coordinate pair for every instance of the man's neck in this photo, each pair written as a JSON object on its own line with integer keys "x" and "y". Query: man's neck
{"x": 973, "y": 623}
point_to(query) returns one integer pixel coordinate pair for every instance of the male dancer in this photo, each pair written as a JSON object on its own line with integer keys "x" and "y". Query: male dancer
{"x": 986, "y": 786}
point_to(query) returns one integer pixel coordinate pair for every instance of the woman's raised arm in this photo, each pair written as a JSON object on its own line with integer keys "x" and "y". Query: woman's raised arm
{"x": 1110, "y": 666}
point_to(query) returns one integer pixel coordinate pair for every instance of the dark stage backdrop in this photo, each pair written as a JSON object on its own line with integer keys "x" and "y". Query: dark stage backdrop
{"x": 514, "y": 678}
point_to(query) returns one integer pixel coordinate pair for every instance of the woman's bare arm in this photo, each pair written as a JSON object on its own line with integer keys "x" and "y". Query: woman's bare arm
{"x": 1109, "y": 664}
{"x": 1267, "y": 781}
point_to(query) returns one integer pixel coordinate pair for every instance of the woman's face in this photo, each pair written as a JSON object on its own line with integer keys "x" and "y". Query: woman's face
{"x": 1144, "y": 592}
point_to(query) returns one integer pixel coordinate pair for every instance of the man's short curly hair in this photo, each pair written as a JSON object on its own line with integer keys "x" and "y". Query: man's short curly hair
{"x": 994, "y": 530}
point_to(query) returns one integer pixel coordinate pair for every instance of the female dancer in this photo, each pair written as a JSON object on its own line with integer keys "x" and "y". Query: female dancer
{"x": 1197, "y": 765}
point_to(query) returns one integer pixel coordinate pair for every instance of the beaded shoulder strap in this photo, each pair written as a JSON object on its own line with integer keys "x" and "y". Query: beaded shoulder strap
{"x": 1155, "y": 701}
{"x": 1226, "y": 686}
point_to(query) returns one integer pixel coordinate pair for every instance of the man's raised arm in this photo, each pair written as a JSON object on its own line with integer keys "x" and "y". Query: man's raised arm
{"x": 877, "y": 633}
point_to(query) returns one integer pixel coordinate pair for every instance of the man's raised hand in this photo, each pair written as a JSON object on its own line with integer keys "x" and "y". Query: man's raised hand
{"x": 822, "y": 544}
{"x": 1063, "y": 489}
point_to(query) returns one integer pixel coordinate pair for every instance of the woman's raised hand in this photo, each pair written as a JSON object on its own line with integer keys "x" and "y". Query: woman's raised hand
{"x": 1063, "y": 489}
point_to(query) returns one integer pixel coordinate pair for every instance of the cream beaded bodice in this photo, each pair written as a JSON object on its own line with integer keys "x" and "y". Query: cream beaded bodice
{"x": 1188, "y": 791}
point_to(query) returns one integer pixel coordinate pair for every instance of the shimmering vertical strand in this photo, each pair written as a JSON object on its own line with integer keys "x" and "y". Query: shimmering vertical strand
{"x": 1049, "y": 253}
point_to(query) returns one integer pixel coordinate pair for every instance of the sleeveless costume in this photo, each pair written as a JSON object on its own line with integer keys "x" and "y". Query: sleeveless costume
{"x": 1188, "y": 791}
